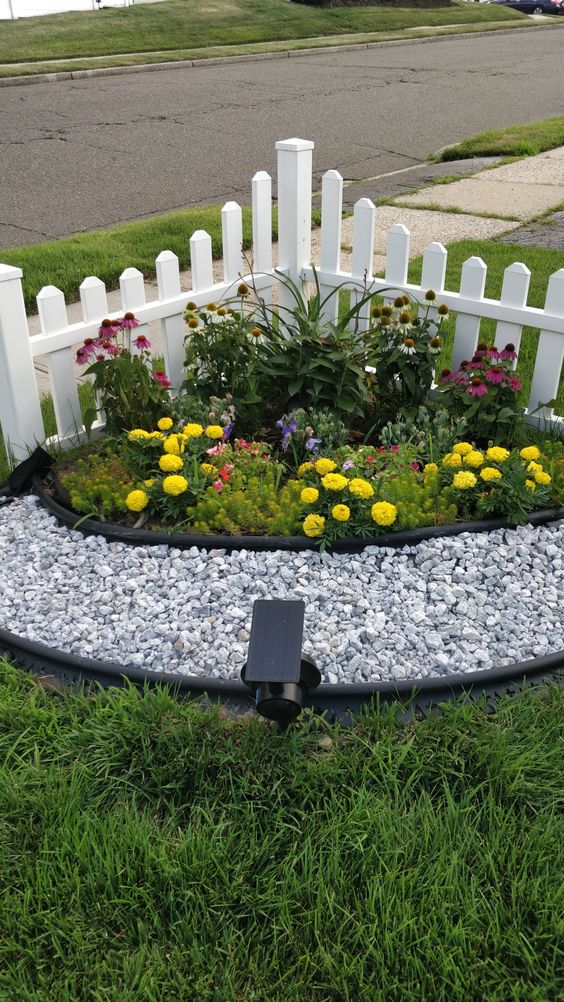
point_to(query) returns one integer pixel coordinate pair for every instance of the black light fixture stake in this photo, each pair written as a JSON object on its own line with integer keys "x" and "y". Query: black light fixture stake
{"x": 277, "y": 671}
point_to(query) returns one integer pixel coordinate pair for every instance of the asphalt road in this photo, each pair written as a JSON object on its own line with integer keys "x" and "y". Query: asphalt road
{"x": 84, "y": 154}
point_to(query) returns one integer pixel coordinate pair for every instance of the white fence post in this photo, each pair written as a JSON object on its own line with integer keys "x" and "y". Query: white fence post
{"x": 397, "y": 255}
{"x": 550, "y": 351}
{"x": 232, "y": 241}
{"x": 472, "y": 285}
{"x": 362, "y": 258}
{"x": 20, "y": 412}
{"x": 330, "y": 249}
{"x": 172, "y": 328}
{"x": 262, "y": 228}
{"x": 201, "y": 260}
{"x": 132, "y": 287}
{"x": 514, "y": 292}
{"x": 61, "y": 364}
{"x": 294, "y": 211}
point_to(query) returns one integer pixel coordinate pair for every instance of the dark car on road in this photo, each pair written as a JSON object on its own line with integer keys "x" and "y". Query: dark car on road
{"x": 534, "y": 6}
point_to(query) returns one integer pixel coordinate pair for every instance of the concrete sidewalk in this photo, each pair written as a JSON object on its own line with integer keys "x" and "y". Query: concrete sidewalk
{"x": 524, "y": 189}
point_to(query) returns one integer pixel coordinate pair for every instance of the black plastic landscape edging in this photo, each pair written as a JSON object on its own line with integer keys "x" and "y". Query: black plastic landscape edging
{"x": 183, "y": 541}
{"x": 337, "y": 701}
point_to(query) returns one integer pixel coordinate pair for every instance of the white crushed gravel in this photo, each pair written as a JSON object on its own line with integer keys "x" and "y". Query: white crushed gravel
{"x": 454, "y": 604}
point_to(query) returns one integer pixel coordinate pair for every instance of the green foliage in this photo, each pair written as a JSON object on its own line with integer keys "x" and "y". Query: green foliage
{"x": 431, "y": 430}
{"x": 313, "y": 363}
{"x": 513, "y": 496}
{"x": 515, "y": 140}
{"x": 419, "y": 502}
{"x": 403, "y": 344}
{"x": 250, "y": 505}
{"x": 307, "y": 433}
{"x": 99, "y": 484}
{"x": 222, "y": 355}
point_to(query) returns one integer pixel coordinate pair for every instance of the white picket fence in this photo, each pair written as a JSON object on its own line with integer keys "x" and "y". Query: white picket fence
{"x": 20, "y": 412}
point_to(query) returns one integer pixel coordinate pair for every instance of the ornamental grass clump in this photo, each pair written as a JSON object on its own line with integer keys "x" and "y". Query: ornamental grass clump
{"x": 483, "y": 392}
{"x": 99, "y": 484}
{"x": 130, "y": 390}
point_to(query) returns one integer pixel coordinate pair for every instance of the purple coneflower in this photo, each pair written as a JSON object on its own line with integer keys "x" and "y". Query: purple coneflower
{"x": 108, "y": 328}
{"x": 141, "y": 342}
{"x": 514, "y": 383}
{"x": 477, "y": 388}
{"x": 508, "y": 352}
{"x": 128, "y": 322}
{"x": 495, "y": 374}
{"x": 162, "y": 378}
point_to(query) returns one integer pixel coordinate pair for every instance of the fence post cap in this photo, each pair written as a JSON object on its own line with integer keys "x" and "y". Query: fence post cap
{"x": 295, "y": 145}
{"x": 8, "y": 273}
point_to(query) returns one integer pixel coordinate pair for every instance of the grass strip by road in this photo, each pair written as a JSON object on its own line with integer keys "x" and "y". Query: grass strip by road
{"x": 514, "y": 141}
{"x": 107, "y": 253}
{"x": 157, "y": 851}
{"x": 216, "y": 27}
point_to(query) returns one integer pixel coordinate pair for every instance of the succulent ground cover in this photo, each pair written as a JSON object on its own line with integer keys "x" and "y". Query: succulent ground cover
{"x": 293, "y": 422}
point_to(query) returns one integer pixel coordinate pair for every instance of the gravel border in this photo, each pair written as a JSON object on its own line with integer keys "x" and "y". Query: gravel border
{"x": 446, "y": 605}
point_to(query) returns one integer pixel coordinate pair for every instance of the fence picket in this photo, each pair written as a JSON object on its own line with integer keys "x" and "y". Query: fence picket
{"x": 20, "y": 411}
{"x": 294, "y": 212}
{"x": 330, "y": 248}
{"x": 93, "y": 299}
{"x": 201, "y": 261}
{"x": 550, "y": 352}
{"x": 172, "y": 327}
{"x": 232, "y": 236}
{"x": 262, "y": 228}
{"x": 132, "y": 287}
{"x": 61, "y": 365}
{"x": 362, "y": 257}
{"x": 514, "y": 292}
{"x": 467, "y": 331}
{"x": 397, "y": 254}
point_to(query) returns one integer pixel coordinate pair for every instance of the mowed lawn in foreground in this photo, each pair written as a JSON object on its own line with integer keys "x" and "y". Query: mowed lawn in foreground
{"x": 153, "y": 851}
{"x": 193, "y": 25}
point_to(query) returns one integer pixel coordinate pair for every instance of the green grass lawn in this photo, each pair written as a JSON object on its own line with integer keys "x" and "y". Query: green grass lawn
{"x": 191, "y": 26}
{"x": 515, "y": 141}
{"x": 153, "y": 851}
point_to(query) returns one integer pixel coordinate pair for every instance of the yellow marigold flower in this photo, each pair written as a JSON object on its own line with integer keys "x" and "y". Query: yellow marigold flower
{"x": 157, "y": 434}
{"x": 361, "y": 488}
{"x": 542, "y": 478}
{"x": 208, "y": 469}
{"x": 464, "y": 480}
{"x": 323, "y": 466}
{"x": 173, "y": 445}
{"x": 194, "y": 430}
{"x": 214, "y": 431}
{"x": 164, "y": 424}
{"x": 313, "y": 525}
{"x": 452, "y": 459}
{"x": 462, "y": 448}
{"x": 530, "y": 452}
{"x": 148, "y": 483}
{"x": 309, "y": 495}
{"x": 170, "y": 464}
{"x": 430, "y": 468}
{"x": 137, "y": 500}
{"x": 531, "y": 485}
{"x": 384, "y": 513}
{"x": 175, "y": 485}
{"x": 334, "y": 482}
{"x": 490, "y": 473}
{"x": 341, "y": 512}
{"x": 474, "y": 458}
{"x": 303, "y": 469}
{"x": 534, "y": 467}
{"x": 497, "y": 454}
{"x": 138, "y": 434}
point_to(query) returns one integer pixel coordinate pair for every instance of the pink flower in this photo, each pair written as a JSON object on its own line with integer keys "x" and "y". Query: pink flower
{"x": 508, "y": 352}
{"x": 100, "y": 357}
{"x": 416, "y": 466}
{"x": 394, "y": 448}
{"x": 477, "y": 389}
{"x": 216, "y": 450}
{"x": 162, "y": 378}
{"x": 347, "y": 464}
{"x": 217, "y": 486}
{"x": 128, "y": 322}
{"x": 82, "y": 356}
{"x": 514, "y": 383}
{"x": 225, "y": 472}
{"x": 495, "y": 375}
{"x": 108, "y": 328}
{"x": 112, "y": 349}
{"x": 141, "y": 342}
{"x": 492, "y": 353}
